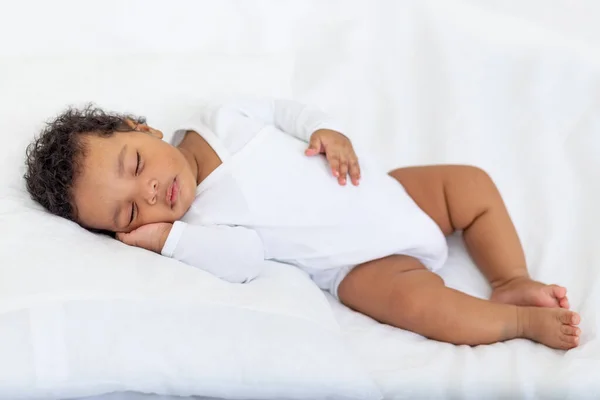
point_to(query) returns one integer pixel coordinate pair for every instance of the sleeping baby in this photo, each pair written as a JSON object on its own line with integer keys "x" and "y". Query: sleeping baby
{"x": 276, "y": 180}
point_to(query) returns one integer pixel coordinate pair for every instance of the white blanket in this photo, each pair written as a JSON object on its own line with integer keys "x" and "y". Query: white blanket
{"x": 418, "y": 82}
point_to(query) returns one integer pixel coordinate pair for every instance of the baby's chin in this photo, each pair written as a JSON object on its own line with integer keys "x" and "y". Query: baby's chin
{"x": 181, "y": 209}
{"x": 184, "y": 203}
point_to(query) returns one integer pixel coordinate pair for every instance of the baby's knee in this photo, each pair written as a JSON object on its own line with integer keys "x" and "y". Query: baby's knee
{"x": 477, "y": 176}
{"x": 414, "y": 293}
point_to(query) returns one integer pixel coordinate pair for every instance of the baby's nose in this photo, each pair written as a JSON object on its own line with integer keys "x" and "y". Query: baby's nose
{"x": 153, "y": 191}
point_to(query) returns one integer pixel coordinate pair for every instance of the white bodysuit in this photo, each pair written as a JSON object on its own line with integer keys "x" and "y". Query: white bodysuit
{"x": 268, "y": 200}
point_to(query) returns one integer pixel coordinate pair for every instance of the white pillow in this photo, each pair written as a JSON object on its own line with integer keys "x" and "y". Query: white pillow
{"x": 82, "y": 315}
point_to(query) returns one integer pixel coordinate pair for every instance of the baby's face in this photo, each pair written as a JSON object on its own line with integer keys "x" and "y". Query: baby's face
{"x": 132, "y": 179}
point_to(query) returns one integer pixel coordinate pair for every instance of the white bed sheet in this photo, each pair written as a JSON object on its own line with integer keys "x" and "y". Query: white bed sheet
{"x": 499, "y": 90}
{"x": 408, "y": 366}
{"x": 513, "y": 87}
{"x": 143, "y": 396}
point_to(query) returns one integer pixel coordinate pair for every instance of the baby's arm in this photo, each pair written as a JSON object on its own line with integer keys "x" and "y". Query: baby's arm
{"x": 297, "y": 119}
{"x": 230, "y": 253}
{"x": 306, "y": 123}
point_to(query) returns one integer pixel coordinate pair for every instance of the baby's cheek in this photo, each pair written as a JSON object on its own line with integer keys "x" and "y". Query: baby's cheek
{"x": 187, "y": 199}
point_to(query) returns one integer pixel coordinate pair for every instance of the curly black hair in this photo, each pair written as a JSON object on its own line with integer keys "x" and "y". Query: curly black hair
{"x": 54, "y": 158}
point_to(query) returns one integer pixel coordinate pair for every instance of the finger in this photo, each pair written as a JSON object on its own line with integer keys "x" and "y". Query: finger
{"x": 334, "y": 163}
{"x": 354, "y": 171}
{"x": 314, "y": 147}
{"x": 343, "y": 171}
{"x": 121, "y": 236}
{"x": 126, "y": 238}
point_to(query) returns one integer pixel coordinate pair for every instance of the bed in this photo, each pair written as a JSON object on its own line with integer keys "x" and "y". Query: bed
{"x": 512, "y": 87}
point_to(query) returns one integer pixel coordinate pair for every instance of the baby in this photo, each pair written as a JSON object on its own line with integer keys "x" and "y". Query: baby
{"x": 238, "y": 184}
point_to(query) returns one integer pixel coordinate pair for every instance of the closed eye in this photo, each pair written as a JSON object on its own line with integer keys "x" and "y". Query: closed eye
{"x": 137, "y": 171}
{"x": 137, "y": 166}
{"x": 132, "y": 213}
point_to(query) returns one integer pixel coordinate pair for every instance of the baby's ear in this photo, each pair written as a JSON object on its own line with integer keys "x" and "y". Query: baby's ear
{"x": 131, "y": 124}
{"x": 154, "y": 132}
{"x": 144, "y": 128}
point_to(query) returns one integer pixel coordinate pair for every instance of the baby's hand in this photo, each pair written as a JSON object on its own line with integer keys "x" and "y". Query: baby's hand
{"x": 150, "y": 237}
{"x": 339, "y": 152}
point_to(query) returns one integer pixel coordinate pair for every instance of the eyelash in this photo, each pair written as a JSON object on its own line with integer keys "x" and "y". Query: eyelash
{"x": 137, "y": 169}
{"x": 132, "y": 212}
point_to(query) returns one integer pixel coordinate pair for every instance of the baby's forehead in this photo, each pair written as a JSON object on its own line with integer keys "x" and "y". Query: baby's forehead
{"x": 106, "y": 140}
{"x": 100, "y": 155}
{"x": 102, "y": 149}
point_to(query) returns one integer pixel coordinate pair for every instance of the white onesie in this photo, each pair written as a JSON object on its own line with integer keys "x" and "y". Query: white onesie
{"x": 268, "y": 200}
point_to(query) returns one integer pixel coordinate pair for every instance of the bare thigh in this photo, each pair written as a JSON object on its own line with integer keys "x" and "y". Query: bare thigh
{"x": 367, "y": 285}
{"x": 431, "y": 186}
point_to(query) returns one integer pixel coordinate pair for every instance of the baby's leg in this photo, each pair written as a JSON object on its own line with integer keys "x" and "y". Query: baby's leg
{"x": 399, "y": 291}
{"x": 465, "y": 198}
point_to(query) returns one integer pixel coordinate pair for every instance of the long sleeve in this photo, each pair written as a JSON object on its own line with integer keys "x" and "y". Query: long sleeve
{"x": 234, "y": 254}
{"x": 292, "y": 117}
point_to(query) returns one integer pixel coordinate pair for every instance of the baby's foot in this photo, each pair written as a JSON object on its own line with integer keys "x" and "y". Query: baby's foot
{"x": 527, "y": 292}
{"x": 553, "y": 327}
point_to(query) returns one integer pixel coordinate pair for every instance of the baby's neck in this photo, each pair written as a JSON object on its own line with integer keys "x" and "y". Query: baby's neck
{"x": 201, "y": 156}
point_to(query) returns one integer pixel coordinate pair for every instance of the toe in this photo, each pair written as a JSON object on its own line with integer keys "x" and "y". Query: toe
{"x": 564, "y": 303}
{"x": 570, "y": 318}
{"x": 570, "y": 330}
{"x": 569, "y": 341}
{"x": 558, "y": 291}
